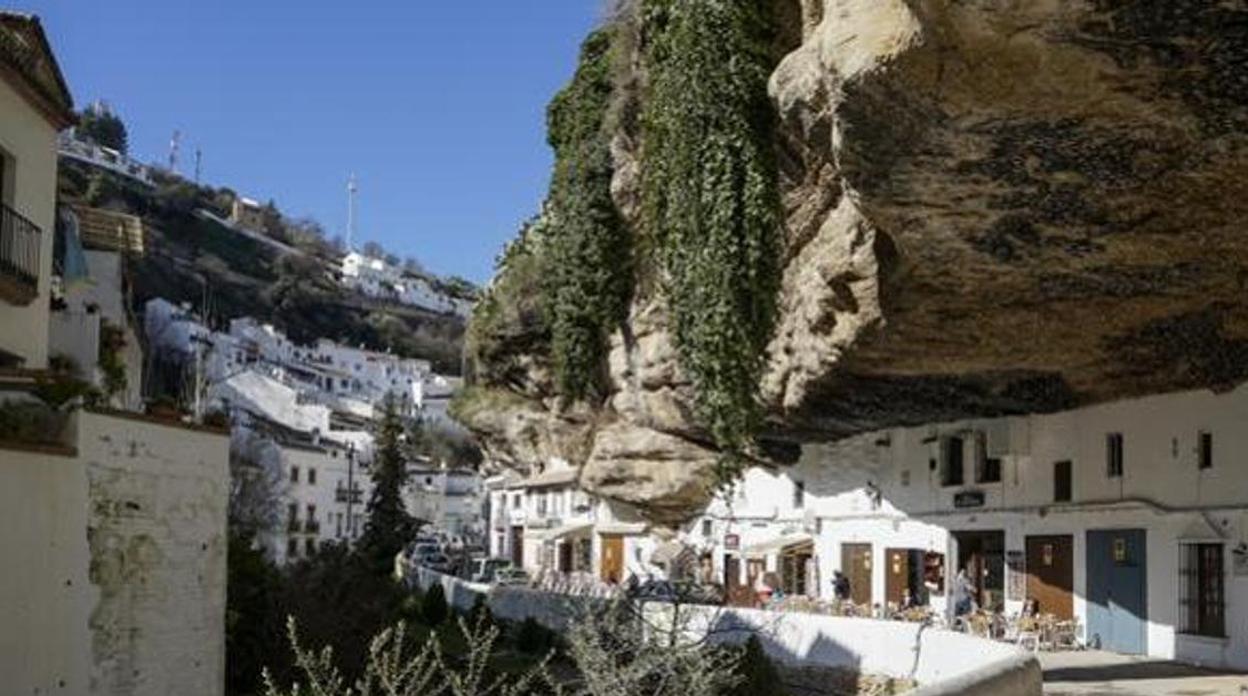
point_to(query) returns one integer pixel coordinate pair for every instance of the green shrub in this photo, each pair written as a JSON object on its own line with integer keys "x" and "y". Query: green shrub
{"x": 533, "y": 638}
{"x": 480, "y": 612}
{"x": 433, "y": 607}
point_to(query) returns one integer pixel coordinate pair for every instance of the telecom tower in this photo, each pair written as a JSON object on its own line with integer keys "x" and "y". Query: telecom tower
{"x": 175, "y": 143}
{"x": 351, "y": 189}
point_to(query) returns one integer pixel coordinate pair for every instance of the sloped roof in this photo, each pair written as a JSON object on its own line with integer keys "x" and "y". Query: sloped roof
{"x": 27, "y": 61}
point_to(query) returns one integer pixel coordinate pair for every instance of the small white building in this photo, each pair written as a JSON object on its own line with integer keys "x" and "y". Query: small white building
{"x": 375, "y": 278}
{"x": 449, "y": 499}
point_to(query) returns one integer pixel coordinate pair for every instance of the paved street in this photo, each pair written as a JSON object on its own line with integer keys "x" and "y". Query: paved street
{"x": 1094, "y": 673}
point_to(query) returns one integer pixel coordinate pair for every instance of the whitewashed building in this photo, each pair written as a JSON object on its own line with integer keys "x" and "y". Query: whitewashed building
{"x": 112, "y": 523}
{"x": 1129, "y": 517}
{"x": 450, "y": 499}
{"x": 375, "y": 278}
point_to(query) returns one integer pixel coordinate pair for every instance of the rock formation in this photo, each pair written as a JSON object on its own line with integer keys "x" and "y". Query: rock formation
{"x": 991, "y": 208}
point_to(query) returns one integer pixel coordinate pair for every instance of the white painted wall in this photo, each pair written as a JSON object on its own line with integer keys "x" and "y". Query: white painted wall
{"x": 45, "y": 597}
{"x": 157, "y": 536}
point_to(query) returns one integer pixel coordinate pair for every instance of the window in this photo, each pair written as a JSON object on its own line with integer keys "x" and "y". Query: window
{"x": 987, "y": 469}
{"x": 1201, "y": 599}
{"x": 309, "y": 546}
{"x": 311, "y": 513}
{"x": 292, "y": 548}
{"x": 294, "y": 474}
{"x": 707, "y": 528}
{"x": 1204, "y": 450}
{"x": 1062, "y": 481}
{"x": 1113, "y": 455}
{"x": 515, "y": 501}
{"x": 799, "y": 494}
{"x": 312, "y": 476}
{"x": 292, "y": 513}
{"x": 951, "y": 456}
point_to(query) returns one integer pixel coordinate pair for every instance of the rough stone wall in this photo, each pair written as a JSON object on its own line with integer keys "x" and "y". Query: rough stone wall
{"x": 991, "y": 208}
{"x": 157, "y": 535}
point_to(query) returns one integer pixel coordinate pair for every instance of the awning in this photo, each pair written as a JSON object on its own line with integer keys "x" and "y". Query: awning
{"x": 669, "y": 552}
{"x": 558, "y": 532}
{"x": 764, "y": 548}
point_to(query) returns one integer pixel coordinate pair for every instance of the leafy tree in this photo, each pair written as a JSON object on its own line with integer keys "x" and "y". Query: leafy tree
{"x": 389, "y": 525}
{"x": 711, "y": 200}
{"x": 104, "y": 128}
{"x": 374, "y": 250}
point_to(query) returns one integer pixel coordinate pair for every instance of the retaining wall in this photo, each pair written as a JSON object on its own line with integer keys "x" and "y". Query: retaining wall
{"x": 942, "y": 662}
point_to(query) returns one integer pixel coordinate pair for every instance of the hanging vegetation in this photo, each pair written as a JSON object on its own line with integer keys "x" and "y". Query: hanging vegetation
{"x": 711, "y": 202}
{"x": 587, "y": 271}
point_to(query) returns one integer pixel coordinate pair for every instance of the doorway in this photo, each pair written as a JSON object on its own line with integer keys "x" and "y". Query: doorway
{"x": 903, "y": 573}
{"x": 1051, "y": 574}
{"x": 517, "y": 546}
{"x": 612, "y": 559}
{"x": 982, "y": 556}
{"x": 856, "y": 566}
{"x": 1116, "y": 583}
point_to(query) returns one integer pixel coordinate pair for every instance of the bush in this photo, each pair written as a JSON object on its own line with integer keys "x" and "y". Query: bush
{"x": 757, "y": 673}
{"x": 480, "y": 612}
{"x": 433, "y": 607}
{"x": 533, "y": 638}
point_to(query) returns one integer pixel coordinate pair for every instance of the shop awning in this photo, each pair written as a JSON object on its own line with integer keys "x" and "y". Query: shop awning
{"x": 559, "y": 532}
{"x": 764, "y": 548}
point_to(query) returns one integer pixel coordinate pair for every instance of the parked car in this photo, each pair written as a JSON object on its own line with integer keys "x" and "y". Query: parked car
{"x": 511, "y": 576}
{"x": 485, "y": 569}
{"x": 678, "y": 592}
{"x": 438, "y": 562}
{"x": 423, "y": 550}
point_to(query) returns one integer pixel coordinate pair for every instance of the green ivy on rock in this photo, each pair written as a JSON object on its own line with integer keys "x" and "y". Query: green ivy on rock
{"x": 711, "y": 201}
{"x": 587, "y": 269}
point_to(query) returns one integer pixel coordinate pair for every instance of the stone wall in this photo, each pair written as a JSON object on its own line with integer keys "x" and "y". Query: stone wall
{"x": 157, "y": 535}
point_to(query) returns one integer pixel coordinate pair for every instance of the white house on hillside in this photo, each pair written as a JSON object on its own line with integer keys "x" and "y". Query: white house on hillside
{"x": 375, "y": 278}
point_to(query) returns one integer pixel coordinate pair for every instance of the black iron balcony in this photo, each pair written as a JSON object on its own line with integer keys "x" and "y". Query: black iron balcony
{"x": 341, "y": 495}
{"x": 19, "y": 257}
{"x": 312, "y": 527}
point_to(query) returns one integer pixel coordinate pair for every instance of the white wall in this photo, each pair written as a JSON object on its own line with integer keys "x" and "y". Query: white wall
{"x": 45, "y": 597}
{"x": 157, "y": 535}
{"x": 31, "y": 142}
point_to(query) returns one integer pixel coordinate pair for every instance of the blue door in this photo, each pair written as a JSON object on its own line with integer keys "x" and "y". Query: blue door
{"x": 1117, "y": 613}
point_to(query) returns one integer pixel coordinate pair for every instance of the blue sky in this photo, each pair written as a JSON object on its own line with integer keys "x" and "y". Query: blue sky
{"x": 437, "y": 107}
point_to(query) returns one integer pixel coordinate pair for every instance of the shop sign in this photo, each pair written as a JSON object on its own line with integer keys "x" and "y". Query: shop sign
{"x": 968, "y": 499}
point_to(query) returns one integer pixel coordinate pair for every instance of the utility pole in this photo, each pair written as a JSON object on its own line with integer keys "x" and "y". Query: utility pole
{"x": 351, "y": 189}
{"x": 350, "y": 493}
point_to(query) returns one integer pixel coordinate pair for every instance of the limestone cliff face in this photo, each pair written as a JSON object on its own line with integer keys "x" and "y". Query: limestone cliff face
{"x": 991, "y": 208}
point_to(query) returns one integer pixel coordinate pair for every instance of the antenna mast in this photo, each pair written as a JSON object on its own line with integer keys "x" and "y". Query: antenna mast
{"x": 174, "y": 146}
{"x": 351, "y": 189}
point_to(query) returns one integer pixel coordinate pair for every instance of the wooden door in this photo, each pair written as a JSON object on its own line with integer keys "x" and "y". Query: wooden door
{"x": 517, "y": 546}
{"x": 896, "y": 575}
{"x": 1051, "y": 574}
{"x": 856, "y": 565}
{"x": 732, "y": 571}
{"x": 565, "y": 557}
{"x": 612, "y": 559}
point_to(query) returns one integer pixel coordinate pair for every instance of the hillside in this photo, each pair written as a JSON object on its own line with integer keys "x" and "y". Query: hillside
{"x": 190, "y": 258}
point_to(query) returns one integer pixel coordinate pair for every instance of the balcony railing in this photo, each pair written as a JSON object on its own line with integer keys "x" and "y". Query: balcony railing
{"x": 341, "y": 495}
{"x": 19, "y": 257}
{"x": 312, "y": 527}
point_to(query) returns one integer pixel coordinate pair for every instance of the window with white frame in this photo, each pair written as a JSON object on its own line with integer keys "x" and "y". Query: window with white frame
{"x": 1113, "y": 455}
{"x": 952, "y": 455}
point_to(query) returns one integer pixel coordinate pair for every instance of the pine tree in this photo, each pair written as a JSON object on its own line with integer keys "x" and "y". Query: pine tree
{"x": 389, "y": 525}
